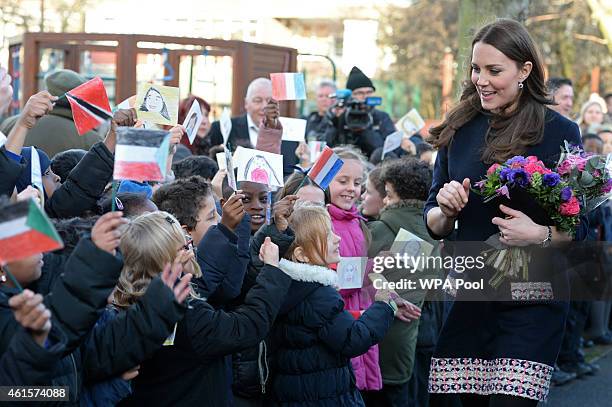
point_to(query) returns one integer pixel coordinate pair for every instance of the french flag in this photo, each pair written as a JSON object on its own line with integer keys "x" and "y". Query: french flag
{"x": 141, "y": 154}
{"x": 288, "y": 86}
{"x": 326, "y": 168}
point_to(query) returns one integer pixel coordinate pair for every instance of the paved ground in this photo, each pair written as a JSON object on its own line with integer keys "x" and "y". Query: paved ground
{"x": 591, "y": 391}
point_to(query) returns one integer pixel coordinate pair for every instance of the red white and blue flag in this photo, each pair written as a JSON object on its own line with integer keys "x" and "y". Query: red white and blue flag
{"x": 325, "y": 169}
{"x": 288, "y": 86}
{"x": 141, "y": 154}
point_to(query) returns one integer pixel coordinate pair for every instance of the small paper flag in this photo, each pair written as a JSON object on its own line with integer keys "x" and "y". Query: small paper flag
{"x": 326, "y": 168}
{"x": 141, "y": 154}
{"x": 288, "y": 86}
{"x": 25, "y": 230}
{"x": 89, "y": 104}
{"x": 36, "y": 174}
{"x": 225, "y": 124}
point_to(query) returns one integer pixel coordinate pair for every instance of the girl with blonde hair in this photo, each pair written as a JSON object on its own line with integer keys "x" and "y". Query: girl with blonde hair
{"x": 191, "y": 366}
{"x": 592, "y": 114}
{"x": 316, "y": 337}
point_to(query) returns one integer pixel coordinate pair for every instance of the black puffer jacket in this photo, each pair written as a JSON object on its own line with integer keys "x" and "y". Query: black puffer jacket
{"x": 26, "y": 363}
{"x": 315, "y": 338}
{"x": 10, "y": 170}
{"x": 193, "y": 372}
{"x": 84, "y": 186}
{"x": 79, "y": 289}
{"x": 251, "y": 367}
{"x": 223, "y": 257}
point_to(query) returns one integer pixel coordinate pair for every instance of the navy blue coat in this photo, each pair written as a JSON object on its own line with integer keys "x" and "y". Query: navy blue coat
{"x": 10, "y": 170}
{"x": 315, "y": 339}
{"x": 223, "y": 256}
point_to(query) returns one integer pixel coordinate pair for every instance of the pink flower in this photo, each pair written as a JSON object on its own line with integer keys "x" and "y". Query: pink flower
{"x": 503, "y": 191}
{"x": 564, "y": 168}
{"x": 532, "y": 167}
{"x": 492, "y": 169}
{"x": 570, "y": 208}
{"x": 532, "y": 159}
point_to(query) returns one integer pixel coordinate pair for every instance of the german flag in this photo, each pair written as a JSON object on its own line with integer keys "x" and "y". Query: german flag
{"x": 26, "y": 230}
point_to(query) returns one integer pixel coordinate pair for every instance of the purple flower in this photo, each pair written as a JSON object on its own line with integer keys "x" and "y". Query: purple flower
{"x": 551, "y": 179}
{"x": 480, "y": 184}
{"x": 566, "y": 194}
{"x": 519, "y": 177}
{"x": 503, "y": 174}
{"x": 517, "y": 160}
{"x": 608, "y": 187}
{"x": 503, "y": 191}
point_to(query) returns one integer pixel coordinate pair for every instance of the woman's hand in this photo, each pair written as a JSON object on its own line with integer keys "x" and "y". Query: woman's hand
{"x": 268, "y": 253}
{"x": 106, "y": 233}
{"x": 407, "y": 311}
{"x": 32, "y": 314}
{"x": 517, "y": 229}
{"x": 282, "y": 210}
{"x": 453, "y": 197}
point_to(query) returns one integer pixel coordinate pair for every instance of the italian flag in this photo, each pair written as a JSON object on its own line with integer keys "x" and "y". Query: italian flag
{"x": 141, "y": 154}
{"x": 26, "y": 230}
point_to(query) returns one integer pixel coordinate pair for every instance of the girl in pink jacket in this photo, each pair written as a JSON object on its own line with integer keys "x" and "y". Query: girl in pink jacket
{"x": 347, "y": 223}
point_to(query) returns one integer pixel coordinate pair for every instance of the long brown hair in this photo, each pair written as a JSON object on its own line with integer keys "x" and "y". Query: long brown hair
{"x": 510, "y": 133}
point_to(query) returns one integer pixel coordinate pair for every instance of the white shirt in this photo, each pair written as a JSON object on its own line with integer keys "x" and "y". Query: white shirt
{"x": 253, "y": 130}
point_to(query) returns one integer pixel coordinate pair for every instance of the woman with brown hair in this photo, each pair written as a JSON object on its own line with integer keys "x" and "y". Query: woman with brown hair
{"x": 201, "y": 143}
{"x": 496, "y": 353}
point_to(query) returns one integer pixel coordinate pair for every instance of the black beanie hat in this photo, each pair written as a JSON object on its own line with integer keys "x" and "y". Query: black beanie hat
{"x": 357, "y": 79}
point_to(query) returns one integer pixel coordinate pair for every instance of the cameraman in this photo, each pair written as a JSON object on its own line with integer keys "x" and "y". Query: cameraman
{"x": 354, "y": 121}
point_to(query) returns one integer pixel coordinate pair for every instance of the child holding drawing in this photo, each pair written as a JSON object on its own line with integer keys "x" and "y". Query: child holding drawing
{"x": 315, "y": 336}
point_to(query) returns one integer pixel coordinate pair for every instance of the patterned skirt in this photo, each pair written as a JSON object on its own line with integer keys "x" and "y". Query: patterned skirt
{"x": 498, "y": 348}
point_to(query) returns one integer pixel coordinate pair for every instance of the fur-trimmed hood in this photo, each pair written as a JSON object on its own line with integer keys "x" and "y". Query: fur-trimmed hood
{"x": 309, "y": 273}
{"x": 306, "y": 280}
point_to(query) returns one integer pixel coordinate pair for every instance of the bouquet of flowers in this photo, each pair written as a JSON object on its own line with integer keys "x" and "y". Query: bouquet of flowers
{"x": 549, "y": 197}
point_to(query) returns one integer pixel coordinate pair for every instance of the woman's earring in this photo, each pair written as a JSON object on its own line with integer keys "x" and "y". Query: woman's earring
{"x": 520, "y": 85}
{"x": 2, "y": 279}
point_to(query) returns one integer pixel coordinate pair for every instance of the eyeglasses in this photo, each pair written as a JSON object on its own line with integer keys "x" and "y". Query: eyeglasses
{"x": 363, "y": 93}
{"x": 189, "y": 245}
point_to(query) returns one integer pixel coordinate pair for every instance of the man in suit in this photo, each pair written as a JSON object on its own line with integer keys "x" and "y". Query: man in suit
{"x": 245, "y": 128}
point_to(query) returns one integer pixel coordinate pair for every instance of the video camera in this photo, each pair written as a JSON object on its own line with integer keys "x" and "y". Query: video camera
{"x": 357, "y": 116}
